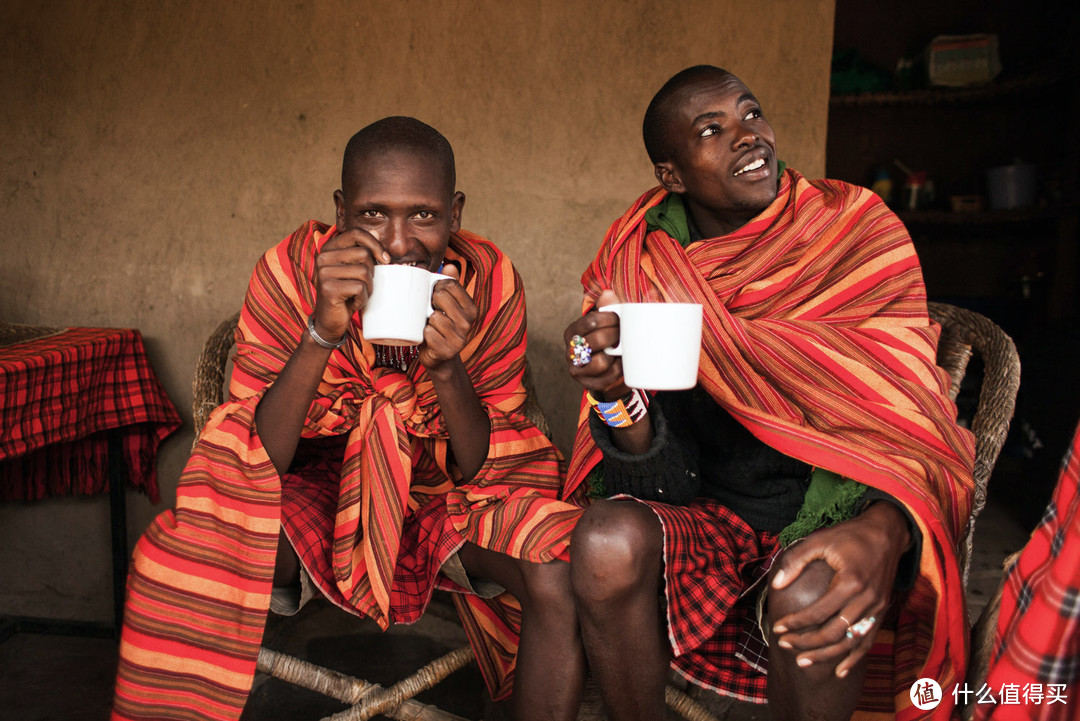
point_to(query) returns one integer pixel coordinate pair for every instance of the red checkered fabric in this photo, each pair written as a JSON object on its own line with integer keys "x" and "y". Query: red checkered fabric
{"x": 1036, "y": 661}
{"x": 309, "y": 500}
{"x": 711, "y": 556}
{"x": 59, "y": 398}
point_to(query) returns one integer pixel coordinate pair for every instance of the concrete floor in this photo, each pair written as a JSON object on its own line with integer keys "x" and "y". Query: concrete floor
{"x": 51, "y": 677}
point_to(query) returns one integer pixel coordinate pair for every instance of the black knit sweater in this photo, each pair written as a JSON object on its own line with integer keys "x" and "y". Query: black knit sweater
{"x": 700, "y": 451}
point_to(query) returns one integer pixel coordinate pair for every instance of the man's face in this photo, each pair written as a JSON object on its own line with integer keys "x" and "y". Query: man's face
{"x": 405, "y": 200}
{"x": 723, "y": 151}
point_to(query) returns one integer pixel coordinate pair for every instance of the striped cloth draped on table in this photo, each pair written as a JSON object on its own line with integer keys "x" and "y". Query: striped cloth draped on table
{"x": 200, "y": 582}
{"x": 817, "y": 339}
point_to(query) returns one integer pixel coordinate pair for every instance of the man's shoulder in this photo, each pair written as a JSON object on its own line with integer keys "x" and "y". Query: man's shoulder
{"x": 303, "y": 241}
{"x": 312, "y": 231}
{"x": 843, "y": 196}
{"x": 466, "y": 238}
{"x": 840, "y": 189}
{"x": 477, "y": 248}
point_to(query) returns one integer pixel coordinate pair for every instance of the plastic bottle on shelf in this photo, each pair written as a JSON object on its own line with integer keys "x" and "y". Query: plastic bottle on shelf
{"x": 915, "y": 190}
{"x": 882, "y": 185}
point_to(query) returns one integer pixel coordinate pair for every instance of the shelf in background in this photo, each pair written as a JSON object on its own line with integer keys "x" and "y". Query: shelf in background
{"x": 946, "y": 95}
{"x": 983, "y": 217}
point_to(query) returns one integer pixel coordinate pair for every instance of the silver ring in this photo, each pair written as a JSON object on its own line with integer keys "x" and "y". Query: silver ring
{"x": 861, "y": 628}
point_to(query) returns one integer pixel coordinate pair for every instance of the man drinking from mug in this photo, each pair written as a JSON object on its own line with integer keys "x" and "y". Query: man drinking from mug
{"x": 369, "y": 474}
{"x": 785, "y": 530}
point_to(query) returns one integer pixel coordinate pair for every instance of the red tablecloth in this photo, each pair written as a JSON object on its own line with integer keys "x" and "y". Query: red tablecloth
{"x": 61, "y": 396}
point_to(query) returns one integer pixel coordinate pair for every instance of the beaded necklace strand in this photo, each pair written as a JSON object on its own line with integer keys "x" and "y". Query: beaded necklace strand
{"x": 395, "y": 356}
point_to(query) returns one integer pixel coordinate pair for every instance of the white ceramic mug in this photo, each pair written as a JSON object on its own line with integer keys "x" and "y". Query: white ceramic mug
{"x": 399, "y": 305}
{"x": 660, "y": 344}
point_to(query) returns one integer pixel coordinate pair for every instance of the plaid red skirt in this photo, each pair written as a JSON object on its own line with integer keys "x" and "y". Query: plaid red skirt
{"x": 1035, "y": 667}
{"x": 712, "y": 560}
{"x": 309, "y": 501}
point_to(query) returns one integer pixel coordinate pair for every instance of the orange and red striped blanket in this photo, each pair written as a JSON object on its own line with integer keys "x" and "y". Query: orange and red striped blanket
{"x": 201, "y": 578}
{"x": 817, "y": 339}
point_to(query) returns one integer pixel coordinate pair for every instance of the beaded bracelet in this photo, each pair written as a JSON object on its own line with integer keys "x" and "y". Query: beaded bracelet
{"x": 623, "y": 412}
{"x": 329, "y": 345}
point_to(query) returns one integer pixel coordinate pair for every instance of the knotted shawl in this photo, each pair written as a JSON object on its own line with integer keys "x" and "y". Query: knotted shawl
{"x": 201, "y": 578}
{"x": 816, "y": 338}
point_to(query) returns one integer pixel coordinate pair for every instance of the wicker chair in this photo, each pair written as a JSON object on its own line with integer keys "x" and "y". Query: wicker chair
{"x": 964, "y": 333}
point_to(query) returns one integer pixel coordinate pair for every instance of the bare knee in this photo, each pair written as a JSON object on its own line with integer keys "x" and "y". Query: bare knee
{"x": 808, "y": 587}
{"x": 546, "y": 587}
{"x": 537, "y": 586}
{"x": 812, "y": 691}
{"x": 616, "y": 549}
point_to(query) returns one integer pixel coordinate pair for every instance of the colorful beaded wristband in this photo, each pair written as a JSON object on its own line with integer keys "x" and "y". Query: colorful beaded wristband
{"x": 624, "y": 412}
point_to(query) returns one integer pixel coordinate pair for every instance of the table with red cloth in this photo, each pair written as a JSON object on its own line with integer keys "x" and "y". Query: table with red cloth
{"x": 78, "y": 407}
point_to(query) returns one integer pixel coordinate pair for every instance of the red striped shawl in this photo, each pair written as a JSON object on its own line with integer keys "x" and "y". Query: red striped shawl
{"x": 200, "y": 583}
{"x": 816, "y": 338}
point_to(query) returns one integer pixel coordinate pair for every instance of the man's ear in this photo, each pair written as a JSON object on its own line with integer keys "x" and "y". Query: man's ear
{"x": 668, "y": 176}
{"x": 456, "y": 205}
{"x": 339, "y": 205}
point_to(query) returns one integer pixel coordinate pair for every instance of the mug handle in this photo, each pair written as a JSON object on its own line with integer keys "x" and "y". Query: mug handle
{"x": 435, "y": 278}
{"x": 614, "y": 308}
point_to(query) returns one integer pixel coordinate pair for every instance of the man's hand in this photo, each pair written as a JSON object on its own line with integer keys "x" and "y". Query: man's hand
{"x": 603, "y": 373}
{"x": 864, "y": 553}
{"x": 344, "y": 270}
{"x": 449, "y": 327}
{"x": 445, "y": 335}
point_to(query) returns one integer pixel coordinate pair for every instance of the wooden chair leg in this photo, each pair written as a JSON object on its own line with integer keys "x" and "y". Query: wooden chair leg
{"x": 685, "y": 706}
{"x": 369, "y": 699}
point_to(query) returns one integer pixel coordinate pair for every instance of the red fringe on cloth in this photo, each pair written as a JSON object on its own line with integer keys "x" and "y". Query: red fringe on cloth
{"x": 81, "y": 468}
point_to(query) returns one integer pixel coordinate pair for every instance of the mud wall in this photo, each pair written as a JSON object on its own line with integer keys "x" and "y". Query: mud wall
{"x": 150, "y": 152}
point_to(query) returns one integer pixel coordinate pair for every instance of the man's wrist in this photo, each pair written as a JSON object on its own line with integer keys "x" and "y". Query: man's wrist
{"x": 321, "y": 340}
{"x": 612, "y": 394}
{"x": 446, "y": 371}
{"x": 893, "y": 519}
{"x": 622, "y": 412}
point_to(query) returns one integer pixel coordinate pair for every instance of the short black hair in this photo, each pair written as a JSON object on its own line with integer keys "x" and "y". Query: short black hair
{"x": 399, "y": 132}
{"x": 654, "y": 129}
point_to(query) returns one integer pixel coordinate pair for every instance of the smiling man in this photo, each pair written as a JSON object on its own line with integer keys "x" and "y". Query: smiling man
{"x": 785, "y": 530}
{"x": 366, "y": 474}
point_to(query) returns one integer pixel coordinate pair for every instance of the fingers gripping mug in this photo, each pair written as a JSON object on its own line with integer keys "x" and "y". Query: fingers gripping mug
{"x": 660, "y": 344}
{"x": 399, "y": 305}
